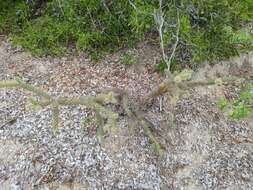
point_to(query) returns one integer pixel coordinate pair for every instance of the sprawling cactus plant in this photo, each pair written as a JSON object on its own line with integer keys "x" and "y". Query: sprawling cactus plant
{"x": 173, "y": 86}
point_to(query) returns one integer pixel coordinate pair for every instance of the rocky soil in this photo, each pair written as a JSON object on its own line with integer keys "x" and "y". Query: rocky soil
{"x": 203, "y": 148}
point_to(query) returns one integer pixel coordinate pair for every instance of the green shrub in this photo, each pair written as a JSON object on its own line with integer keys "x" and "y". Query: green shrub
{"x": 204, "y": 27}
{"x": 13, "y": 15}
{"x": 90, "y": 25}
{"x": 240, "y": 108}
{"x": 209, "y": 29}
{"x": 44, "y": 37}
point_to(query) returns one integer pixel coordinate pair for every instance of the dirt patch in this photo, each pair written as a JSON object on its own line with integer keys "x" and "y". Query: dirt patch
{"x": 203, "y": 148}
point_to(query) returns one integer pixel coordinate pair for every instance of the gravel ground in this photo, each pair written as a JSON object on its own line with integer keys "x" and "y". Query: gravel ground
{"x": 204, "y": 149}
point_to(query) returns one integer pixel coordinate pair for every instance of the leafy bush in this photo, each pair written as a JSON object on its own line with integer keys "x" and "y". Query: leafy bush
{"x": 12, "y": 15}
{"x": 240, "y": 108}
{"x": 204, "y": 24}
{"x": 90, "y": 25}
{"x": 208, "y": 29}
{"x": 44, "y": 37}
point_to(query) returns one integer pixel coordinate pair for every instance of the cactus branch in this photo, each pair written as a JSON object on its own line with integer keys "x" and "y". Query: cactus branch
{"x": 95, "y": 103}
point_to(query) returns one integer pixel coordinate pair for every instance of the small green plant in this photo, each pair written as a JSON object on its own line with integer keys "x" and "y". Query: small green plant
{"x": 222, "y": 103}
{"x": 240, "y": 108}
{"x": 161, "y": 66}
{"x": 129, "y": 59}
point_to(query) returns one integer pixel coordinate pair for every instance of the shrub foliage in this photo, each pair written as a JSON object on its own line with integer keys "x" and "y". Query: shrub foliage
{"x": 241, "y": 107}
{"x": 209, "y": 29}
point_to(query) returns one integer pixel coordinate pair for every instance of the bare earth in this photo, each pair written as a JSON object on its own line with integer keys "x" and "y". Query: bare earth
{"x": 204, "y": 148}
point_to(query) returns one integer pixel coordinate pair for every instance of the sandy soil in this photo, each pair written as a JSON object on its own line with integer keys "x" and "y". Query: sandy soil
{"x": 203, "y": 148}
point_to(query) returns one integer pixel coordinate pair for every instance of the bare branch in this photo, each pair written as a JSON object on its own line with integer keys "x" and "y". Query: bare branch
{"x": 159, "y": 20}
{"x": 132, "y": 4}
{"x": 176, "y": 43}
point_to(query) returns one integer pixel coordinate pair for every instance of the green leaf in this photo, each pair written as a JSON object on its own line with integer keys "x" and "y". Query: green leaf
{"x": 240, "y": 111}
{"x": 222, "y": 103}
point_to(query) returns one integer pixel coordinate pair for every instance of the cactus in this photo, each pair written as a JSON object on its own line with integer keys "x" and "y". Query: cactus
{"x": 95, "y": 103}
{"x": 173, "y": 85}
